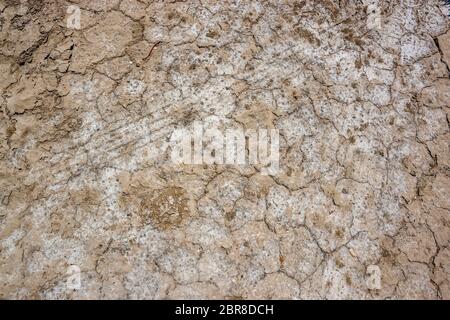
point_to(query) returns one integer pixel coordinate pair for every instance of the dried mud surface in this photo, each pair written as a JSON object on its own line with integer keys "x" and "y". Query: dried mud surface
{"x": 85, "y": 179}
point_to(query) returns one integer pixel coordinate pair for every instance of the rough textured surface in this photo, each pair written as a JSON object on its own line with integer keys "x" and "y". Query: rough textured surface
{"x": 85, "y": 179}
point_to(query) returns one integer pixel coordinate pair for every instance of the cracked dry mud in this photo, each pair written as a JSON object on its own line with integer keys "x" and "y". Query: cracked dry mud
{"x": 85, "y": 172}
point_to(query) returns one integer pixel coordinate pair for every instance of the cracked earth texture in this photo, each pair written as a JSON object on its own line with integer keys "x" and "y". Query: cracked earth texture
{"x": 85, "y": 172}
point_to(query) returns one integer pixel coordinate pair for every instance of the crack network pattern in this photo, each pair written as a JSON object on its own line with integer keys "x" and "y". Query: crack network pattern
{"x": 85, "y": 176}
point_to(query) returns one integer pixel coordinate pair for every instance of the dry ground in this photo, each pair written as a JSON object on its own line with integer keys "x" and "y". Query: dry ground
{"x": 359, "y": 209}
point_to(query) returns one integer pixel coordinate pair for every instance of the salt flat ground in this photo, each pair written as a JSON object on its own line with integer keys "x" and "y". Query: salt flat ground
{"x": 91, "y": 205}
